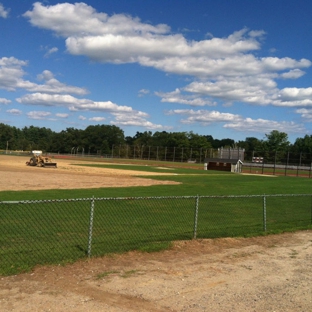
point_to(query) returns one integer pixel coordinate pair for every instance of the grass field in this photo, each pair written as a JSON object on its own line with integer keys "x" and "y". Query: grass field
{"x": 58, "y": 231}
{"x": 193, "y": 182}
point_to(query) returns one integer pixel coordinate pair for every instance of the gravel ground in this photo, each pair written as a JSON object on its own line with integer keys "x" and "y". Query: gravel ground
{"x": 272, "y": 273}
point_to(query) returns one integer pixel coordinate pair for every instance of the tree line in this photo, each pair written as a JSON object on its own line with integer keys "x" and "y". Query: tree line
{"x": 101, "y": 139}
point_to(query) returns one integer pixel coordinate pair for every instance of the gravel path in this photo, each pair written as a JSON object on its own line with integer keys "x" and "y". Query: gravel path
{"x": 272, "y": 273}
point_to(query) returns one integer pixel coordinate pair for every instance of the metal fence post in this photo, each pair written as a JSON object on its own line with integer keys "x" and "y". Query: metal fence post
{"x": 311, "y": 211}
{"x": 264, "y": 214}
{"x": 90, "y": 227}
{"x": 196, "y": 216}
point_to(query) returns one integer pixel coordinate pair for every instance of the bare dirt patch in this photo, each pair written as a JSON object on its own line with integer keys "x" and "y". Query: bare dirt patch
{"x": 272, "y": 273}
{"x": 68, "y": 175}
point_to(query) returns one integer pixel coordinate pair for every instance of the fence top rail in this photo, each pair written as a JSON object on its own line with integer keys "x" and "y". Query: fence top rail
{"x": 147, "y": 198}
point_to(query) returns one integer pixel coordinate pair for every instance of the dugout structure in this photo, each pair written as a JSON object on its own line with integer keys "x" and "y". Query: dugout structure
{"x": 223, "y": 164}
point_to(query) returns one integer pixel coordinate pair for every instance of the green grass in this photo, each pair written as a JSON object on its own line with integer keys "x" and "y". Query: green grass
{"x": 193, "y": 181}
{"x": 57, "y": 231}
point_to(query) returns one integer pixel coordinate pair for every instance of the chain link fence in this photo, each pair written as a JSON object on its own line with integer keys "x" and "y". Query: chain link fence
{"x": 56, "y": 231}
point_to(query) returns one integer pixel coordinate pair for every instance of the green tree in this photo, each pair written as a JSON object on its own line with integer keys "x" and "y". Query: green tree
{"x": 143, "y": 138}
{"x": 101, "y": 138}
{"x": 276, "y": 141}
{"x": 303, "y": 145}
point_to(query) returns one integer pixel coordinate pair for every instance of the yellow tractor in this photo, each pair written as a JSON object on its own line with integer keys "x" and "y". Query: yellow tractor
{"x": 40, "y": 161}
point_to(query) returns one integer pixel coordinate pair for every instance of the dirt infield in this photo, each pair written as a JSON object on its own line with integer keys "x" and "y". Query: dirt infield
{"x": 272, "y": 273}
{"x": 18, "y": 176}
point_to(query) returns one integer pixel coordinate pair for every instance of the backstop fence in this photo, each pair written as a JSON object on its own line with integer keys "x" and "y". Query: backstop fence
{"x": 56, "y": 231}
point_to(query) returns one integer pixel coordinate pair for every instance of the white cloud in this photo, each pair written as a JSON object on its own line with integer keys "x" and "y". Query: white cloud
{"x": 124, "y": 39}
{"x": 4, "y": 13}
{"x": 305, "y": 113}
{"x": 71, "y": 19}
{"x": 51, "y": 51}
{"x": 294, "y": 97}
{"x": 38, "y": 115}
{"x": 121, "y": 38}
{"x": 264, "y": 126}
{"x": 5, "y": 101}
{"x": 204, "y": 117}
{"x": 97, "y": 119}
{"x": 228, "y": 68}
{"x": 177, "y": 97}
{"x": 293, "y": 74}
{"x": 124, "y": 115}
{"x": 296, "y": 93}
{"x": 61, "y": 115}
{"x": 253, "y": 90}
{"x": 223, "y": 69}
{"x": 52, "y": 85}
{"x": 11, "y": 73}
{"x": 11, "y": 78}
{"x": 74, "y": 104}
{"x": 82, "y": 117}
{"x": 237, "y": 122}
{"x": 138, "y": 120}
{"x": 14, "y": 111}
{"x": 143, "y": 92}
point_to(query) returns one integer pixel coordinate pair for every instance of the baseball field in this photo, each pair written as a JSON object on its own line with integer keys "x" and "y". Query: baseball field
{"x": 267, "y": 273}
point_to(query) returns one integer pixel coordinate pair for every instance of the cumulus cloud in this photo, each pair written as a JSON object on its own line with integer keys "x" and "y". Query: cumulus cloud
{"x": 4, "y": 13}
{"x": 204, "y": 117}
{"x": 97, "y": 119}
{"x": 11, "y": 73}
{"x": 293, "y": 74}
{"x": 221, "y": 69}
{"x": 124, "y": 39}
{"x": 178, "y": 97}
{"x": 121, "y": 38}
{"x": 143, "y": 92}
{"x": 294, "y": 97}
{"x": 11, "y": 78}
{"x": 14, "y": 111}
{"x": 138, "y": 120}
{"x": 51, "y": 51}
{"x": 263, "y": 125}
{"x": 256, "y": 90}
{"x": 73, "y": 103}
{"x": 5, "y": 101}
{"x": 305, "y": 113}
{"x": 52, "y": 85}
{"x": 61, "y": 115}
{"x": 38, "y": 114}
{"x": 71, "y": 19}
{"x": 236, "y": 122}
{"x": 124, "y": 115}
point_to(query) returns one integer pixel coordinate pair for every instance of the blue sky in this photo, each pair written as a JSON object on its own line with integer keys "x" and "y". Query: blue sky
{"x": 230, "y": 69}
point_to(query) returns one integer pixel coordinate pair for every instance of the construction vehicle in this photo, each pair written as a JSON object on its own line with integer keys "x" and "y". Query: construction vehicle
{"x": 40, "y": 161}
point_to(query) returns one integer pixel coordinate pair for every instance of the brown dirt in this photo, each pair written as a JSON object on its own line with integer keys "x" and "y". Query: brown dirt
{"x": 272, "y": 273}
{"x": 67, "y": 175}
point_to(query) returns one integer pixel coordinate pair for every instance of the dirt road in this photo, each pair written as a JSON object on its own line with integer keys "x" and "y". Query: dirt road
{"x": 272, "y": 273}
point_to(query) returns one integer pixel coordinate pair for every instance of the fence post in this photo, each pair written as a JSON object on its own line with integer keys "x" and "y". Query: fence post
{"x": 90, "y": 227}
{"x": 264, "y": 214}
{"x": 311, "y": 211}
{"x": 196, "y": 216}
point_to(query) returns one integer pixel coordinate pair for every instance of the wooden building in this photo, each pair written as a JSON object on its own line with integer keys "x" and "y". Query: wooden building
{"x": 223, "y": 164}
